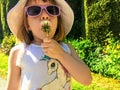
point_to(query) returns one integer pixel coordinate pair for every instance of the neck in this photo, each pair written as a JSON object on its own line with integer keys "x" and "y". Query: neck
{"x": 38, "y": 42}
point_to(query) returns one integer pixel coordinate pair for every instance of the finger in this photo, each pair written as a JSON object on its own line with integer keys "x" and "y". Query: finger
{"x": 46, "y": 51}
{"x": 44, "y": 45}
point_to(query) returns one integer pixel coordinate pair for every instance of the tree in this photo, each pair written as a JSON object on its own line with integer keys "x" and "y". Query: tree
{"x": 78, "y": 29}
{"x": 3, "y": 18}
{"x": 5, "y": 6}
{"x": 102, "y": 17}
{"x": 115, "y": 17}
{"x": 1, "y": 32}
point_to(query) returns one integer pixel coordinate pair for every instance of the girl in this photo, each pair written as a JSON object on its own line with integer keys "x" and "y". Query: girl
{"x": 42, "y": 61}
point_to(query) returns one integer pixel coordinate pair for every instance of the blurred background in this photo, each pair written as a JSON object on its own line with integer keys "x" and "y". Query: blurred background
{"x": 95, "y": 36}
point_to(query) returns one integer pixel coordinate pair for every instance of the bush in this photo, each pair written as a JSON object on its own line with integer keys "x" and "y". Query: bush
{"x": 101, "y": 59}
{"x": 3, "y": 65}
{"x": 99, "y": 20}
{"x": 103, "y": 17}
{"x": 111, "y": 58}
{"x": 7, "y": 43}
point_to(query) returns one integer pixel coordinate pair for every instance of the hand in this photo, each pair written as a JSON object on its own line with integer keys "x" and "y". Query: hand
{"x": 52, "y": 48}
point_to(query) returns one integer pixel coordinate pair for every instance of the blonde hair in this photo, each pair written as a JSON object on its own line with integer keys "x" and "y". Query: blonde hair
{"x": 25, "y": 36}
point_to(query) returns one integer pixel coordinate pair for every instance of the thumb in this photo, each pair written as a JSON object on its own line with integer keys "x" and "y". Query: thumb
{"x": 46, "y": 40}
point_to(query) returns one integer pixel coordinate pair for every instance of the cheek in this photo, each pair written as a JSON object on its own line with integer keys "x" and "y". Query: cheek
{"x": 35, "y": 26}
{"x": 31, "y": 24}
{"x": 54, "y": 27}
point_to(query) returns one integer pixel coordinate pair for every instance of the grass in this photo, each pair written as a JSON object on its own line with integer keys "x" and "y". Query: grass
{"x": 3, "y": 65}
{"x": 99, "y": 82}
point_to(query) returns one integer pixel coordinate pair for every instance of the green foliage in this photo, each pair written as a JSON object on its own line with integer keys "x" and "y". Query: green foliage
{"x": 10, "y": 4}
{"x": 3, "y": 65}
{"x": 1, "y": 33}
{"x": 103, "y": 16}
{"x": 100, "y": 59}
{"x": 98, "y": 20}
{"x": 5, "y": 6}
{"x": 115, "y": 17}
{"x": 7, "y": 43}
{"x": 3, "y": 19}
{"x": 99, "y": 83}
{"x": 111, "y": 54}
{"x": 1, "y": 1}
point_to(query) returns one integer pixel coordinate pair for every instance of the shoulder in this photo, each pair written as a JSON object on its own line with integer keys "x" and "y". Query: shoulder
{"x": 73, "y": 51}
{"x": 66, "y": 47}
{"x": 70, "y": 47}
{"x": 14, "y": 51}
{"x": 13, "y": 57}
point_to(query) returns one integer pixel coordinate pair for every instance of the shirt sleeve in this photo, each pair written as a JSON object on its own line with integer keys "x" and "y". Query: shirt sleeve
{"x": 66, "y": 48}
{"x": 21, "y": 53}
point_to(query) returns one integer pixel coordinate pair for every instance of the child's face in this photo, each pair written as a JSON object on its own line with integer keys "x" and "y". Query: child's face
{"x": 35, "y": 23}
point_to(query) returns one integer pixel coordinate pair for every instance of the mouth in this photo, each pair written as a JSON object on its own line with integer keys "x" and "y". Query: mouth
{"x": 46, "y": 27}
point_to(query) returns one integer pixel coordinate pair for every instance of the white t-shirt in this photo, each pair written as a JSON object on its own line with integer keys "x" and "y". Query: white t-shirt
{"x": 39, "y": 73}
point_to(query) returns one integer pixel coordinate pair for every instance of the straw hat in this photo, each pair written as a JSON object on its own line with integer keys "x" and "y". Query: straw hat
{"x": 16, "y": 15}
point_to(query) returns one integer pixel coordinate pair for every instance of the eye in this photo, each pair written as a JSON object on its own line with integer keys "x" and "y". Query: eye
{"x": 52, "y": 65}
{"x": 33, "y": 10}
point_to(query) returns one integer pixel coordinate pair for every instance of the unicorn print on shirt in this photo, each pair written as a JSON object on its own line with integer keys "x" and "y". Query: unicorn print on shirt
{"x": 62, "y": 77}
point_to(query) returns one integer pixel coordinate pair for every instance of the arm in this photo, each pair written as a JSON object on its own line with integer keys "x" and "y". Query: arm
{"x": 13, "y": 80}
{"x": 76, "y": 67}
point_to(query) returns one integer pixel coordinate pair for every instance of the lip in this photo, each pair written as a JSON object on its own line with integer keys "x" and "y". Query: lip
{"x": 45, "y": 22}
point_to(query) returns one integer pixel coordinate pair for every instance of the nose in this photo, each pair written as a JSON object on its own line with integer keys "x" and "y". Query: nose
{"x": 44, "y": 15}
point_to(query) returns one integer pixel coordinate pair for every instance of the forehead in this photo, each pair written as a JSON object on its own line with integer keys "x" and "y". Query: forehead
{"x": 39, "y": 1}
